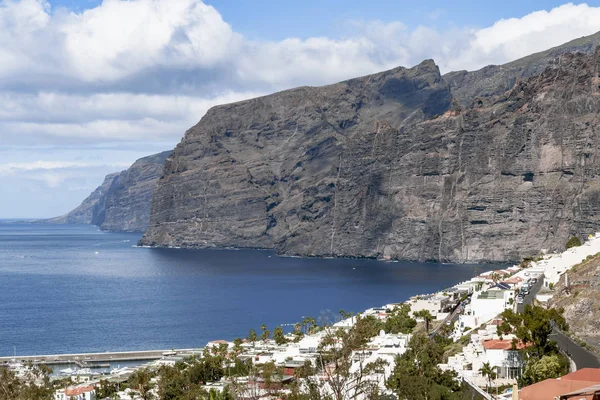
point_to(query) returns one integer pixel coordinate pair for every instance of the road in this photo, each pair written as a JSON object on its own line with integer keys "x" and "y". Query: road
{"x": 95, "y": 357}
{"x": 532, "y": 292}
{"x": 580, "y": 356}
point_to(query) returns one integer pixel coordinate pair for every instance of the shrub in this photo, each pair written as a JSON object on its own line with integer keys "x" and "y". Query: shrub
{"x": 526, "y": 263}
{"x": 573, "y": 242}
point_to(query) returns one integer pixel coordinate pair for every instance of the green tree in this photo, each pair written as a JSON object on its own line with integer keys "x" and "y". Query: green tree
{"x": 224, "y": 395}
{"x": 336, "y": 352}
{"x": 140, "y": 381}
{"x": 333, "y": 372}
{"x": 487, "y": 371}
{"x": 34, "y": 385}
{"x": 265, "y": 333}
{"x": 365, "y": 328}
{"x": 495, "y": 277}
{"x": 573, "y": 242}
{"x": 174, "y": 382}
{"x": 399, "y": 320}
{"x": 298, "y": 334}
{"x": 237, "y": 346}
{"x": 309, "y": 323}
{"x": 533, "y": 328}
{"x": 252, "y": 337}
{"x": 417, "y": 376}
{"x": 207, "y": 369}
{"x": 106, "y": 389}
{"x": 10, "y": 386}
{"x": 279, "y": 336}
{"x": 549, "y": 366}
{"x": 270, "y": 375}
{"x": 427, "y": 317}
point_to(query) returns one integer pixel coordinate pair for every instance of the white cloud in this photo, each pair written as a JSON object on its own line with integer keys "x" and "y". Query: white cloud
{"x": 52, "y": 174}
{"x": 41, "y": 165}
{"x": 119, "y": 39}
{"x": 138, "y": 73}
{"x": 510, "y": 39}
{"x": 50, "y": 117}
{"x": 56, "y": 106}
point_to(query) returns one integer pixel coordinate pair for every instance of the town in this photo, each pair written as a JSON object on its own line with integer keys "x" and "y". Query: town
{"x": 355, "y": 356}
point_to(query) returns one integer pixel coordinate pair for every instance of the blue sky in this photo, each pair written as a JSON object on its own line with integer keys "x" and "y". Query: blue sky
{"x": 87, "y": 87}
{"x": 306, "y": 18}
{"x": 276, "y": 20}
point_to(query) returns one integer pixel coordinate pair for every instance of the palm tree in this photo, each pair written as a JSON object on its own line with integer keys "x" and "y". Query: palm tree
{"x": 427, "y": 317}
{"x": 310, "y": 323}
{"x": 265, "y": 333}
{"x": 252, "y": 337}
{"x": 495, "y": 277}
{"x": 487, "y": 370}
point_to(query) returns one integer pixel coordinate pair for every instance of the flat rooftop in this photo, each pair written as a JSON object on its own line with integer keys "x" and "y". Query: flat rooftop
{"x": 492, "y": 295}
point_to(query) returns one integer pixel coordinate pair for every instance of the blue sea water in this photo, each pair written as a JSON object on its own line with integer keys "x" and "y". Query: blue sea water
{"x": 72, "y": 288}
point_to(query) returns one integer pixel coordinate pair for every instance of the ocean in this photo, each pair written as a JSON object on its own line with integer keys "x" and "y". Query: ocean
{"x": 73, "y": 288}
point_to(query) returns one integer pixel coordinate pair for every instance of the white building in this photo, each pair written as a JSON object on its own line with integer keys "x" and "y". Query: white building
{"x": 434, "y": 303}
{"x": 556, "y": 264}
{"x": 486, "y": 305}
{"x": 506, "y": 361}
{"x": 76, "y": 393}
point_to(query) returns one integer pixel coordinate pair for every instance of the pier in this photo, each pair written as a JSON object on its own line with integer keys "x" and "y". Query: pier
{"x": 94, "y": 358}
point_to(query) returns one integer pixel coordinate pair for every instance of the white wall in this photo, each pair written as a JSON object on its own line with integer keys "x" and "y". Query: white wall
{"x": 485, "y": 309}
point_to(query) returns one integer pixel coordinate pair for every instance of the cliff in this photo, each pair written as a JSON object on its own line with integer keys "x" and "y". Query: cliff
{"x": 582, "y": 300}
{"x": 122, "y": 202}
{"x": 494, "y": 80}
{"x": 91, "y": 210}
{"x": 391, "y": 165}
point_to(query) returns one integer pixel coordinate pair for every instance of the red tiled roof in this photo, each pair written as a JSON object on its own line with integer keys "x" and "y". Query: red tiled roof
{"x": 75, "y": 391}
{"x": 584, "y": 374}
{"x": 551, "y": 388}
{"x": 514, "y": 279}
{"x": 500, "y": 345}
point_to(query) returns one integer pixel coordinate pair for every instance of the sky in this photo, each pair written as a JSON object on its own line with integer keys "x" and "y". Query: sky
{"x": 89, "y": 86}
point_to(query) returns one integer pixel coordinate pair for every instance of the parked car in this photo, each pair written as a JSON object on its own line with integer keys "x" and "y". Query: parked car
{"x": 534, "y": 280}
{"x": 520, "y": 300}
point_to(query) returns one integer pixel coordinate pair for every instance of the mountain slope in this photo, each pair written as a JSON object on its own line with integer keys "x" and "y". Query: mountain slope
{"x": 91, "y": 210}
{"x": 582, "y": 301}
{"x": 122, "y": 202}
{"x": 391, "y": 165}
{"x": 494, "y": 80}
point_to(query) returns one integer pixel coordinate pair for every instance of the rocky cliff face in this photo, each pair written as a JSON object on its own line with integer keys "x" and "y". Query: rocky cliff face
{"x": 91, "y": 210}
{"x": 581, "y": 301}
{"x": 494, "y": 80}
{"x": 122, "y": 202}
{"x": 392, "y": 165}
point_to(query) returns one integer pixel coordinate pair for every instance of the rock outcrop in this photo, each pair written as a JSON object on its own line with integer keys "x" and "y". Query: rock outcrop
{"x": 392, "y": 165}
{"x": 581, "y": 300}
{"x": 494, "y": 80}
{"x": 122, "y": 202}
{"x": 91, "y": 210}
